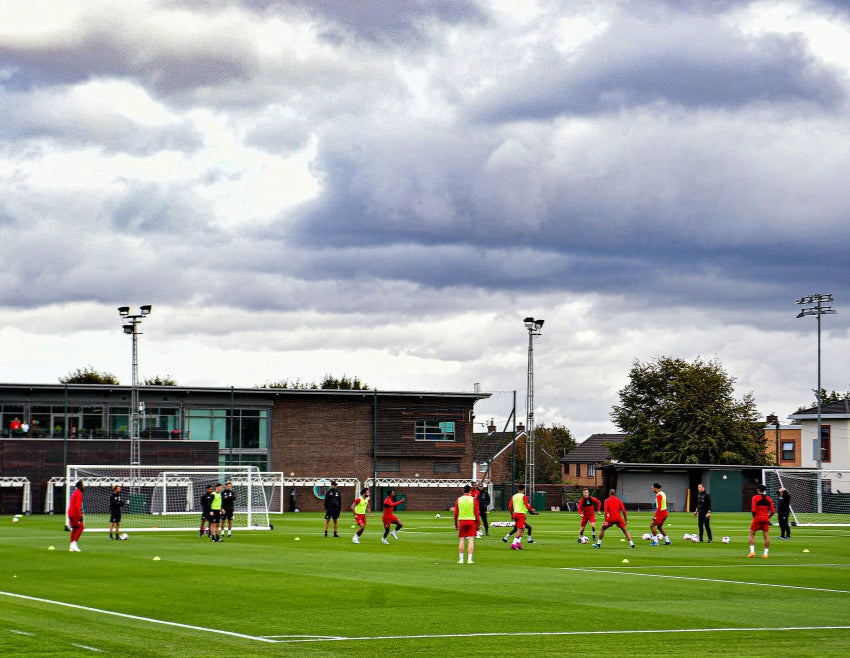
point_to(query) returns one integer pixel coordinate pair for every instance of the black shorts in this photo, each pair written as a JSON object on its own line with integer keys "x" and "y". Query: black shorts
{"x": 332, "y": 515}
{"x": 227, "y": 514}
{"x": 205, "y": 516}
{"x": 215, "y": 515}
{"x": 115, "y": 517}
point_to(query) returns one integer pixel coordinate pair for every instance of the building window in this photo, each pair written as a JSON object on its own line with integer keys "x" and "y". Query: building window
{"x": 591, "y": 470}
{"x": 578, "y": 470}
{"x": 435, "y": 430}
{"x": 825, "y": 452}
{"x": 788, "y": 450}
{"x": 447, "y": 467}
{"x": 388, "y": 466}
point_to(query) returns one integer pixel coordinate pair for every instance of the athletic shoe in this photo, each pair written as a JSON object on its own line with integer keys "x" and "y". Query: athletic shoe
{"x": 578, "y": 541}
{"x": 709, "y": 541}
{"x": 505, "y": 538}
{"x": 229, "y": 533}
{"x": 394, "y": 534}
{"x": 471, "y": 562}
{"x": 596, "y": 546}
{"x": 355, "y": 539}
{"x": 326, "y": 534}
{"x": 751, "y": 555}
{"x": 530, "y": 541}
{"x": 460, "y": 561}
{"x": 336, "y": 535}
{"x": 384, "y": 540}
{"x": 518, "y": 546}
{"x": 668, "y": 543}
{"x": 74, "y": 548}
{"x": 655, "y": 543}
{"x": 514, "y": 547}
{"x": 632, "y": 547}
{"x": 765, "y": 556}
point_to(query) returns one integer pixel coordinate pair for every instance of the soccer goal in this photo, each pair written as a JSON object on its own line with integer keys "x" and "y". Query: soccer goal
{"x": 818, "y": 497}
{"x": 167, "y": 497}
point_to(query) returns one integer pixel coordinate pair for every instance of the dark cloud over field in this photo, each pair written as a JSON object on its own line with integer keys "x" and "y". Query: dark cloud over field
{"x": 386, "y": 188}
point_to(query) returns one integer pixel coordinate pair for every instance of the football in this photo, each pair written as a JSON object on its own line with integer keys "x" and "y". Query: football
{"x": 15, "y": 519}
{"x": 726, "y": 540}
{"x": 687, "y": 536}
{"x": 438, "y": 516}
{"x": 647, "y": 537}
{"x": 123, "y": 536}
{"x": 584, "y": 540}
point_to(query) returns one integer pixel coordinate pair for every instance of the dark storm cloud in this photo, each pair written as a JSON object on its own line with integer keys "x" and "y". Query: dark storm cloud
{"x": 690, "y": 63}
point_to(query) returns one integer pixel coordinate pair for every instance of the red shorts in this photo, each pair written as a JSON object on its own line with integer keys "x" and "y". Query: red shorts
{"x": 388, "y": 520}
{"x": 466, "y": 529}
{"x": 588, "y": 517}
{"x": 760, "y": 524}
{"x": 619, "y": 523}
{"x": 659, "y": 518}
{"x": 360, "y": 519}
{"x": 519, "y": 521}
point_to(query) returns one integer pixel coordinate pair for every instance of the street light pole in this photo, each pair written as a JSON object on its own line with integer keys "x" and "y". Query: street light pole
{"x": 534, "y": 329}
{"x": 818, "y": 300}
{"x": 132, "y": 328}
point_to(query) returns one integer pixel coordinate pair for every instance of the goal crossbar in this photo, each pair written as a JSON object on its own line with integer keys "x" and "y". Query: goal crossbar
{"x": 819, "y": 497}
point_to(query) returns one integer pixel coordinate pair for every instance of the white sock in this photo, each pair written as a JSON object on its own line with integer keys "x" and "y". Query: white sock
{"x": 752, "y": 548}
{"x": 460, "y": 555}
{"x": 765, "y": 551}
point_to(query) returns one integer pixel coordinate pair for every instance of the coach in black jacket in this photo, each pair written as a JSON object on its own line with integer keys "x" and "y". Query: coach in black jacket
{"x": 333, "y": 506}
{"x": 783, "y": 511}
{"x": 703, "y": 511}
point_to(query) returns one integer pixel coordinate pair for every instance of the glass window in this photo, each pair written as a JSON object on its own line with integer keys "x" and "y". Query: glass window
{"x": 434, "y": 430}
{"x": 390, "y": 466}
{"x": 788, "y": 450}
{"x": 447, "y": 467}
{"x": 578, "y": 470}
{"x": 825, "y": 451}
{"x": 591, "y": 470}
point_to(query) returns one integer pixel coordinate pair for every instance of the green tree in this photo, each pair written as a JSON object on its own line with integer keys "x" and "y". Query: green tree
{"x": 88, "y": 375}
{"x": 550, "y": 444}
{"x": 676, "y": 412}
{"x": 328, "y": 382}
{"x": 159, "y": 381}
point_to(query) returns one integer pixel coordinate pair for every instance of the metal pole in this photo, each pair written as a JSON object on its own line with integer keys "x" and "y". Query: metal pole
{"x": 819, "y": 442}
{"x": 135, "y": 447}
{"x": 529, "y": 419}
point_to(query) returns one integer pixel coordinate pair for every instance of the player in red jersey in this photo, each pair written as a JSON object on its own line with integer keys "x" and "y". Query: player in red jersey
{"x": 360, "y": 506}
{"x": 762, "y": 509}
{"x": 588, "y": 506}
{"x": 75, "y": 516}
{"x": 467, "y": 523}
{"x": 656, "y": 527}
{"x": 614, "y": 515}
{"x": 389, "y": 517}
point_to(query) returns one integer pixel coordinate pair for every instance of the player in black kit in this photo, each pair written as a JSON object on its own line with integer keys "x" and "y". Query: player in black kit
{"x": 116, "y": 502}
{"x": 206, "y": 501}
{"x": 228, "y": 501}
{"x": 333, "y": 506}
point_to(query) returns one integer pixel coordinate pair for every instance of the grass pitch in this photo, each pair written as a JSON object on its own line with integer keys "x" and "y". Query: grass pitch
{"x": 264, "y": 593}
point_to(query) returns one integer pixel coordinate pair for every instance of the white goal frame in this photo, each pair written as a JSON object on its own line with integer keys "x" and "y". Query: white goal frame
{"x": 170, "y": 495}
{"x": 818, "y": 497}
{"x": 26, "y": 493}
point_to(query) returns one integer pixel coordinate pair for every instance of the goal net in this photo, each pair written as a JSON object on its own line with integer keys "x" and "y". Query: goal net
{"x": 818, "y": 498}
{"x": 167, "y": 497}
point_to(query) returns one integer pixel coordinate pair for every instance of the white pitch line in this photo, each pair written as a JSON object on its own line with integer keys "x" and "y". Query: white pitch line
{"x": 708, "y": 580}
{"x": 17, "y": 632}
{"x": 87, "y": 648}
{"x": 124, "y": 615}
{"x": 567, "y": 633}
{"x": 756, "y": 565}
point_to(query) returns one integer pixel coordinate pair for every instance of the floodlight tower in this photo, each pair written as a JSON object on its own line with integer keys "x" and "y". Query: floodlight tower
{"x": 132, "y": 328}
{"x": 534, "y": 329}
{"x": 815, "y": 306}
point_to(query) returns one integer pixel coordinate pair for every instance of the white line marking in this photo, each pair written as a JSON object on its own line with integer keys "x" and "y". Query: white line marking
{"x": 709, "y": 580}
{"x": 568, "y": 633}
{"x": 16, "y": 632}
{"x": 751, "y": 565}
{"x": 124, "y": 615}
{"x": 87, "y": 648}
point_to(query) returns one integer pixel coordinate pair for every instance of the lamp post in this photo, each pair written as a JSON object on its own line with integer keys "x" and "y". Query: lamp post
{"x": 133, "y": 320}
{"x": 815, "y": 306}
{"x": 534, "y": 329}
{"x": 772, "y": 419}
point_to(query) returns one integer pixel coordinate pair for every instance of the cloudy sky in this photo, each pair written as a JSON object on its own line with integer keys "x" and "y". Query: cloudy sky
{"x": 386, "y": 189}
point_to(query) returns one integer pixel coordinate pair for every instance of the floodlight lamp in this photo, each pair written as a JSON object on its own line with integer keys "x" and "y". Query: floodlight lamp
{"x": 146, "y": 309}
{"x": 801, "y": 314}
{"x": 538, "y": 324}
{"x": 529, "y": 323}
{"x": 128, "y": 328}
{"x": 124, "y": 311}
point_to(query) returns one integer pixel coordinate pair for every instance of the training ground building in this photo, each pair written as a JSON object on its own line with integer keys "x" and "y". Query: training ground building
{"x": 420, "y": 442}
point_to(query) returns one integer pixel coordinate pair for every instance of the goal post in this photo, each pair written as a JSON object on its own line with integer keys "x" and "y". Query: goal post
{"x": 818, "y": 497}
{"x": 167, "y": 497}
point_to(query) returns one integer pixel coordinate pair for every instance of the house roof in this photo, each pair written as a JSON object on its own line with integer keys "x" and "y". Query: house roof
{"x": 591, "y": 450}
{"x": 485, "y": 446}
{"x": 837, "y": 409}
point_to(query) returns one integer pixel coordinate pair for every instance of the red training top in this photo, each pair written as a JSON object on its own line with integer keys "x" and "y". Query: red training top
{"x": 75, "y": 506}
{"x": 390, "y": 505}
{"x": 615, "y": 510}
{"x": 589, "y": 502}
{"x": 762, "y": 507}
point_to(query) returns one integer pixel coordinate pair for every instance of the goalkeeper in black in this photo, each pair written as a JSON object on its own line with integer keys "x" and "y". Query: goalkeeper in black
{"x": 116, "y": 502}
{"x": 228, "y": 502}
{"x": 206, "y": 502}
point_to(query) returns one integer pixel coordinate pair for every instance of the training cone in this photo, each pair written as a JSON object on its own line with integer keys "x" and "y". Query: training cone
{"x": 625, "y": 561}
{"x": 51, "y": 548}
{"x": 156, "y": 558}
{"x": 805, "y": 550}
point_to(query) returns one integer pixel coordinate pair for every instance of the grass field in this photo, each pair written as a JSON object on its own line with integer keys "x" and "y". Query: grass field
{"x": 264, "y": 593}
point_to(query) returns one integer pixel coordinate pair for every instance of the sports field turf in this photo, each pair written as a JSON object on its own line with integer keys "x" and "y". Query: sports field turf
{"x": 264, "y": 593}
